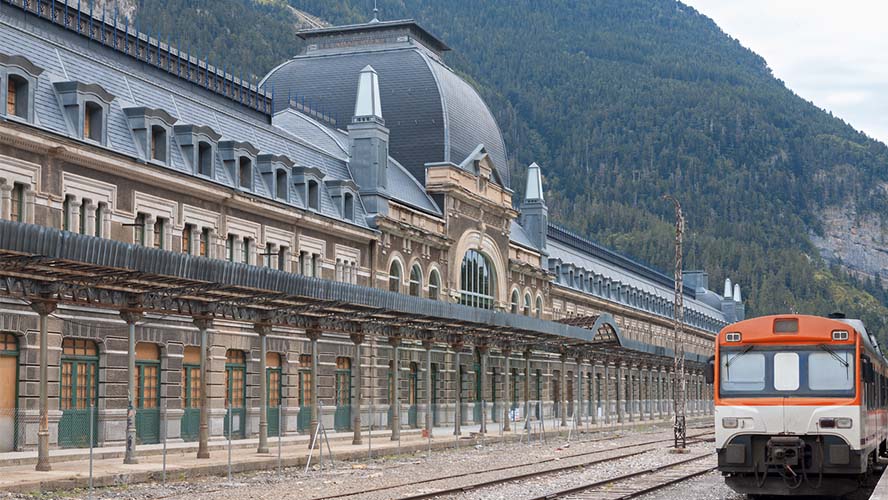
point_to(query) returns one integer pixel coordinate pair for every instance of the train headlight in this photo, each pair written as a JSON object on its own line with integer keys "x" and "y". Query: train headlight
{"x": 729, "y": 422}
{"x": 844, "y": 423}
{"x": 840, "y": 335}
{"x": 836, "y": 423}
{"x": 732, "y": 337}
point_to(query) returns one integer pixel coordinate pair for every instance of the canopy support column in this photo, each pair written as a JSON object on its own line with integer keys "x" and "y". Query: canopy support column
{"x": 43, "y": 308}
{"x": 131, "y": 317}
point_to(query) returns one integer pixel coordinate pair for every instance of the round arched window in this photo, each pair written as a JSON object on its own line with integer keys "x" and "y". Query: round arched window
{"x": 539, "y": 307}
{"x": 476, "y": 281}
{"x": 434, "y": 284}
{"x": 527, "y": 304}
{"x": 415, "y": 280}
{"x": 395, "y": 277}
{"x": 514, "y": 302}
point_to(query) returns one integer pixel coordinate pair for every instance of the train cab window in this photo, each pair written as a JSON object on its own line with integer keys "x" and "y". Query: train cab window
{"x": 786, "y": 371}
{"x": 831, "y": 371}
{"x": 742, "y": 371}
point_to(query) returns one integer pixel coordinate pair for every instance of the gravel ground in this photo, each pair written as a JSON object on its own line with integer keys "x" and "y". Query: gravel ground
{"x": 543, "y": 485}
{"x": 350, "y": 477}
{"x": 712, "y": 486}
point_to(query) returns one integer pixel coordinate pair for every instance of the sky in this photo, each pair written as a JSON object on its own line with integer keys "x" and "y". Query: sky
{"x": 833, "y": 53}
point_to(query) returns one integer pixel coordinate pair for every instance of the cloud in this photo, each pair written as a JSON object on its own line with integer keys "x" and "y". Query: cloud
{"x": 831, "y": 53}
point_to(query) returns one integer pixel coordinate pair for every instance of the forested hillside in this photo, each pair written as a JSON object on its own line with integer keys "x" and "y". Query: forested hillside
{"x": 622, "y": 102}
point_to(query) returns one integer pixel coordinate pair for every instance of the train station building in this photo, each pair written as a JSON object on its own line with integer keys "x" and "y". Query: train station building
{"x": 342, "y": 240}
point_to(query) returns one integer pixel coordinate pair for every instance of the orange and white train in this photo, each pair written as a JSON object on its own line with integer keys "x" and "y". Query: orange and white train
{"x": 800, "y": 404}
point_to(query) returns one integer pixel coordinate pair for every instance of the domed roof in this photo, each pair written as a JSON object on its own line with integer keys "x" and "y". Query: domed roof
{"x": 433, "y": 114}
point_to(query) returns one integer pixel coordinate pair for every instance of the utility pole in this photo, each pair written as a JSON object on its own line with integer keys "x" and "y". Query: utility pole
{"x": 679, "y": 389}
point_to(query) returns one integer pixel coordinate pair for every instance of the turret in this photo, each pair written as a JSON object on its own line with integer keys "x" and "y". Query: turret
{"x": 368, "y": 142}
{"x": 534, "y": 212}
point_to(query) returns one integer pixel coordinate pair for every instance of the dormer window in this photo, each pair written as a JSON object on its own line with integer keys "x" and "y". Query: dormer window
{"x": 18, "y": 82}
{"x": 198, "y": 145}
{"x": 93, "y": 122}
{"x": 151, "y": 130}
{"x": 86, "y": 109}
{"x": 348, "y": 204}
{"x": 314, "y": 198}
{"x": 239, "y": 158}
{"x": 245, "y": 173}
{"x": 17, "y": 97}
{"x": 275, "y": 171}
{"x": 205, "y": 159}
{"x": 159, "y": 144}
{"x": 280, "y": 184}
{"x": 343, "y": 194}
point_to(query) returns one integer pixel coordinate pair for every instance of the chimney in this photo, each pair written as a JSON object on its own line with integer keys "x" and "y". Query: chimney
{"x": 368, "y": 143}
{"x": 534, "y": 212}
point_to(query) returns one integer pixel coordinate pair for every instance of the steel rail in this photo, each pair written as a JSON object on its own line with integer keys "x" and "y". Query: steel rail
{"x": 633, "y": 475}
{"x": 501, "y": 480}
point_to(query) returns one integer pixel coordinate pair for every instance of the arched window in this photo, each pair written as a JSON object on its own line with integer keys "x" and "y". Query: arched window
{"x": 280, "y": 184}
{"x": 476, "y": 281}
{"x": 539, "y": 307}
{"x": 395, "y": 277}
{"x": 313, "y": 196}
{"x": 527, "y": 304}
{"x": 434, "y": 284}
{"x": 514, "y": 302}
{"x": 415, "y": 280}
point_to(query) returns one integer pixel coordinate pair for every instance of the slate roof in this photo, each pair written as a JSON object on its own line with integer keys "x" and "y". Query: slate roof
{"x": 67, "y": 56}
{"x": 433, "y": 114}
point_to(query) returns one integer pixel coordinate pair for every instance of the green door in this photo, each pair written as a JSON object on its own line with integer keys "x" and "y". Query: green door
{"x": 235, "y": 395}
{"x": 463, "y": 395}
{"x": 8, "y": 392}
{"x": 538, "y": 393}
{"x": 148, "y": 402}
{"x": 494, "y": 412}
{"x": 342, "y": 417}
{"x": 304, "y": 419}
{"x": 556, "y": 392}
{"x": 79, "y": 386}
{"x": 413, "y": 396}
{"x": 190, "y": 402}
{"x": 589, "y": 388}
{"x": 515, "y": 383}
{"x": 273, "y": 394}
{"x": 478, "y": 396}
{"x": 434, "y": 389}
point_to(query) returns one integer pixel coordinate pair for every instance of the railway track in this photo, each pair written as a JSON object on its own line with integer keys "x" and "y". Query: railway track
{"x": 638, "y": 483}
{"x": 430, "y": 491}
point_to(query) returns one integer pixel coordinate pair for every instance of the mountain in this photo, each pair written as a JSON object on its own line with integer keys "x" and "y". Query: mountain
{"x": 622, "y": 102}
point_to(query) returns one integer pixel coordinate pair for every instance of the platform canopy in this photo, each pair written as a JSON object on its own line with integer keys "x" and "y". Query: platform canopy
{"x": 41, "y": 263}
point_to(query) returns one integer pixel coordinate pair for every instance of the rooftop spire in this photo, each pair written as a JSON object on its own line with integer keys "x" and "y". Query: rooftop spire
{"x": 367, "y": 103}
{"x": 534, "y": 189}
{"x": 728, "y": 289}
{"x": 375, "y": 13}
{"x": 737, "y": 296}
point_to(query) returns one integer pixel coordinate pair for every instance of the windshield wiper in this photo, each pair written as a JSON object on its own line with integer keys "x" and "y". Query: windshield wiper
{"x": 833, "y": 354}
{"x": 741, "y": 353}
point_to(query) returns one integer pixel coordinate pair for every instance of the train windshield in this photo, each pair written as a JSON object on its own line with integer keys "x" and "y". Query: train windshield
{"x": 815, "y": 371}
